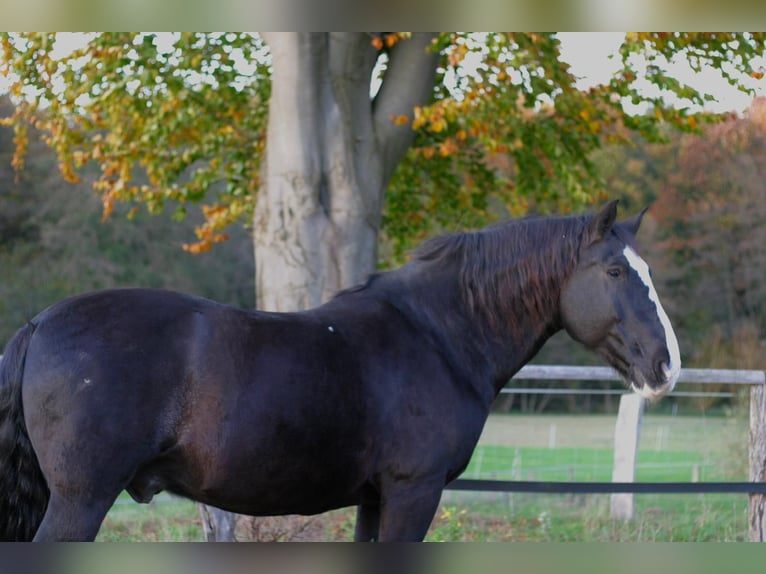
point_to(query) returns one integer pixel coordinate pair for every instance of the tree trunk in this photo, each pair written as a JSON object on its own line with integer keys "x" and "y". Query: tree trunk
{"x": 318, "y": 214}
{"x": 331, "y": 151}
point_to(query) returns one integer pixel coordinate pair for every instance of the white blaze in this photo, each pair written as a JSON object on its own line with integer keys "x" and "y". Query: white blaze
{"x": 674, "y": 368}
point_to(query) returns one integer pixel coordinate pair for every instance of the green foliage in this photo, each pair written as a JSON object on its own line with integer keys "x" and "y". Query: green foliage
{"x": 182, "y": 121}
{"x": 508, "y": 130}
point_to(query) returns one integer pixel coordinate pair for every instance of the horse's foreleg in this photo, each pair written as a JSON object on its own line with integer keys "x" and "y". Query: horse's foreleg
{"x": 407, "y": 511}
{"x": 71, "y": 521}
{"x": 367, "y": 522}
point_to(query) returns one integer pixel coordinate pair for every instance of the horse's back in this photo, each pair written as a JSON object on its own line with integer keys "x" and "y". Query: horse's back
{"x": 122, "y": 340}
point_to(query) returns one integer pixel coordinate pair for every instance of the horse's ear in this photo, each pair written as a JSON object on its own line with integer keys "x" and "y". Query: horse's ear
{"x": 631, "y": 224}
{"x": 602, "y": 222}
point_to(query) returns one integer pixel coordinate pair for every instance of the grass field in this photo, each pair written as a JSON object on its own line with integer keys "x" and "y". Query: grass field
{"x": 531, "y": 448}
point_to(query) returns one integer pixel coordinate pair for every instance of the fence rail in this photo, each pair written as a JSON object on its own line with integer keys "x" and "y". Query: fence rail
{"x": 553, "y": 487}
{"x": 568, "y": 373}
{"x": 755, "y": 488}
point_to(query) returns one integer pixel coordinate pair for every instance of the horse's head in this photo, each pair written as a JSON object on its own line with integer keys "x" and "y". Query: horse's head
{"x": 610, "y": 305}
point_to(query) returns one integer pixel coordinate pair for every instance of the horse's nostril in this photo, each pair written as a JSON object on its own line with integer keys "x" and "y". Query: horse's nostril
{"x": 662, "y": 370}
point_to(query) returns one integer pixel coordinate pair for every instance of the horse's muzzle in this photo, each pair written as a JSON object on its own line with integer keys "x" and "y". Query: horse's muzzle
{"x": 660, "y": 382}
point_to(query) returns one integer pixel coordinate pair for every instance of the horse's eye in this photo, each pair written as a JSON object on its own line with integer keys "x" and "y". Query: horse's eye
{"x": 614, "y": 272}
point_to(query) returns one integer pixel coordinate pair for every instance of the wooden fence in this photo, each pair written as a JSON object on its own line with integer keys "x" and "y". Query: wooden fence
{"x": 627, "y": 430}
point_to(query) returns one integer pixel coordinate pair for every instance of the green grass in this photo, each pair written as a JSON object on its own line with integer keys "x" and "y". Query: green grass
{"x": 168, "y": 519}
{"x": 670, "y": 448}
{"x": 577, "y": 464}
{"x": 569, "y": 518}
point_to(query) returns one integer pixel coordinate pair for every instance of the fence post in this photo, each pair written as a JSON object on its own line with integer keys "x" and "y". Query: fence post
{"x": 627, "y": 431}
{"x": 757, "y": 461}
{"x": 217, "y": 524}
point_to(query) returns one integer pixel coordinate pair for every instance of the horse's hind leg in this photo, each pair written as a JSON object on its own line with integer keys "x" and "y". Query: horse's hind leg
{"x": 367, "y": 522}
{"x": 75, "y": 521}
{"x": 72, "y": 520}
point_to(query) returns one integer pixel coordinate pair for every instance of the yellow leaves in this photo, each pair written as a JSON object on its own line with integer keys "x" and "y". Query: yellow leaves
{"x": 20, "y": 141}
{"x": 80, "y": 158}
{"x": 420, "y": 119}
{"x": 427, "y": 152}
{"x": 757, "y": 74}
{"x": 388, "y": 40}
{"x": 107, "y": 201}
{"x": 399, "y": 120}
{"x": 207, "y": 238}
{"x": 438, "y": 125}
{"x": 68, "y": 173}
{"x": 121, "y": 107}
{"x": 457, "y": 54}
{"x": 5, "y": 61}
{"x": 217, "y": 217}
{"x": 434, "y": 118}
{"x": 448, "y": 147}
{"x": 212, "y": 212}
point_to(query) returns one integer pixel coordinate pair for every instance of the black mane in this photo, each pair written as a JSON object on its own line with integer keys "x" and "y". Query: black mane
{"x": 509, "y": 267}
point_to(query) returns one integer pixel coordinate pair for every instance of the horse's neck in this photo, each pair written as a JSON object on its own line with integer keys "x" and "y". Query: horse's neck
{"x": 518, "y": 344}
{"x": 490, "y": 357}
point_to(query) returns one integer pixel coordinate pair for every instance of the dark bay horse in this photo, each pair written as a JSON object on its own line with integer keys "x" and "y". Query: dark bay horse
{"x": 375, "y": 399}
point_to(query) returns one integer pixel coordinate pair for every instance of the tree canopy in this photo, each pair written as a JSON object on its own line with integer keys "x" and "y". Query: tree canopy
{"x": 181, "y": 119}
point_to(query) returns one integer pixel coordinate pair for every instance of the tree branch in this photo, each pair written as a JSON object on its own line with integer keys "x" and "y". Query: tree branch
{"x": 408, "y": 82}
{"x": 352, "y": 58}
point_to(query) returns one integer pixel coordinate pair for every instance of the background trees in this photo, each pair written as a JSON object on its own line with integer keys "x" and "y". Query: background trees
{"x": 314, "y": 126}
{"x": 53, "y": 243}
{"x": 336, "y": 137}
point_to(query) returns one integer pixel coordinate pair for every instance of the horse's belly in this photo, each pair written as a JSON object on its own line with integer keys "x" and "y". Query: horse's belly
{"x": 270, "y": 475}
{"x": 262, "y": 495}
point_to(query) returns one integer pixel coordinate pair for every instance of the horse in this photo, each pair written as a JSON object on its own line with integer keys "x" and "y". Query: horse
{"x": 375, "y": 399}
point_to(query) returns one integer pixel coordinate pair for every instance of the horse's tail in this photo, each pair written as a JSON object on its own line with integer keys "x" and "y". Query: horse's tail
{"x": 23, "y": 490}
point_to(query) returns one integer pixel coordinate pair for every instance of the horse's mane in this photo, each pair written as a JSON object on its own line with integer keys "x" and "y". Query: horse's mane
{"x": 514, "y": 265}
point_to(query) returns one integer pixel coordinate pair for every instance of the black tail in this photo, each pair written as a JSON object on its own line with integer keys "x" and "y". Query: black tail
{"x": 23, "y": 490}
